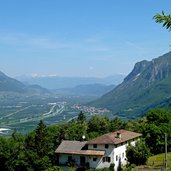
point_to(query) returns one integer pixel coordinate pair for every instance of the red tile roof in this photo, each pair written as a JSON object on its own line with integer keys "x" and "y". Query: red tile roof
{"x": 76, "y": 147}
{"x": 116, "y": 137}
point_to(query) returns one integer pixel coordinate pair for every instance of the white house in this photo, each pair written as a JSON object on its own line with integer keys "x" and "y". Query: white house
{"x": 100, "y": 152}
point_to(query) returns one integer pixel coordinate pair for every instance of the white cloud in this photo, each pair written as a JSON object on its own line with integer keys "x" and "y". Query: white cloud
{"x": 33, "y": 42}
{"x": 134, "y": 45}
{"x": 47, "y": 43}
{"x": 23, "y": 42}
{"x": 10, "y": 39}
{"x": 91, "y": 40}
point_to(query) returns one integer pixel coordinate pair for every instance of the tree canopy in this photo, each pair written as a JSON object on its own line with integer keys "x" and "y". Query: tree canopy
{"x": 157, "y": 124}
{"x": 163, "y": 18}
{"x": 36, "y": 150}
{"x": 138, "y": 154}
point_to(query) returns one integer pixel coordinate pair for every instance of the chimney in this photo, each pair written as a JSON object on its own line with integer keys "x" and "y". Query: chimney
{"x": 118, "y": 135}
{"x": 83, "y": 138}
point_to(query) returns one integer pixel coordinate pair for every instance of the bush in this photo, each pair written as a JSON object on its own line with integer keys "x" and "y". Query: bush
{"x": 137, "y": 154}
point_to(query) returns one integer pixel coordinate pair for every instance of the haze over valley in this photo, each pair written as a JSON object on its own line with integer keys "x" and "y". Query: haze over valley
{"x": 147, "y": 86}
{"x": 85, "y": 85}
{"x": 22, "y": 106}
{"x": 100, "y": 57}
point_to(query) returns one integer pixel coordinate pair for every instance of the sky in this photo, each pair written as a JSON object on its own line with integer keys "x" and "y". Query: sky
{"x": 80, "y": 37}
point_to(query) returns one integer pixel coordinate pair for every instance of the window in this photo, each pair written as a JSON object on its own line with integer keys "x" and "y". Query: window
{"x": 69, "y": 158}
{"x": 106, "y": 159}
{"x": 94, "y": 145}
{"x": 85, "y": 147}
{"x": 116, "y": 157}
{"x": 106, "y": 145}
{"x": 94, "y": 159}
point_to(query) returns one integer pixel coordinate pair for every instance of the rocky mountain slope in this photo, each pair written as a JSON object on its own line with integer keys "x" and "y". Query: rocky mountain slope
{"x": 147, "y": 86}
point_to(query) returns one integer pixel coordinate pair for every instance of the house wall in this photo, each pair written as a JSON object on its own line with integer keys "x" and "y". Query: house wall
{"x": 63, "y": 159}
{"x": 117, "y": 155}
{"x": 120, "y": 156}
{"x": 92, "y": 163}
{"x": 109, "y": 152}
{"x": 120, "y": 159}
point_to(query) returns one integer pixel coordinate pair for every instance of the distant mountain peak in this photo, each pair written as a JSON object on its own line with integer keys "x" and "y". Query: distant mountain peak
{"x": 57, "y": 82}
{"x": 137, "y": 70}
{"x": 147, "y": 86}
{"x": 8, "y": 84}
{"x": 156, "y": 69}
{"x": 2, "y": 74}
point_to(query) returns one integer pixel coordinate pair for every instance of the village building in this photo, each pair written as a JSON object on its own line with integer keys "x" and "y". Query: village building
{"x": 100, "y": 152}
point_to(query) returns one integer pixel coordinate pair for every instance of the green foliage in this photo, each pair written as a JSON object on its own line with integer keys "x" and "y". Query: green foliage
{"x": 158, "y": 116}
{"x": 165, "y": 19}
{"x": 58, "y": 132}
{"x": 157, "y": 160}
{"x": 54, "y": 168}
{"x": 35, "y": 151}
{"x": 5, "y": 152}
{"x": 104, "y": 169}
{"x": 137, "y": 154}
{"x": 136, "y": 125}
{"x": 158, "y": 124}
{"x": 70, "y": 169}
{"x": 129, "y": 168}
{"x": 76, "y": 130}
{"x": 12, "y": 155}
{"x": 111, "y": 167}
{"x": 41, "y": 139}
{"x": 145, "y": 88}
{"x": 81, "y": 117}
{"x": 99, "y": 124}
{"x": 39, "y": 149}
{"x": 115, "y": 124}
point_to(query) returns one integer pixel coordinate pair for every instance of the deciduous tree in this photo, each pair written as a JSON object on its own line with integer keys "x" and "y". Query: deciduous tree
{"x": 137, "y": 154}
{"x": 163, "y": 18}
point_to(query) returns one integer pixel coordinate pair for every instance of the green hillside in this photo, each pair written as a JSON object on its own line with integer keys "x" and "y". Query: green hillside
{"x": 12, "y": 86}
{"x": 147, "y": 86}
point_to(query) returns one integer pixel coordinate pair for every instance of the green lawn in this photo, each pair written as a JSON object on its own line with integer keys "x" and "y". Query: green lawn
{"x": 158, "y": 160}
{"x": 155, "y": 162}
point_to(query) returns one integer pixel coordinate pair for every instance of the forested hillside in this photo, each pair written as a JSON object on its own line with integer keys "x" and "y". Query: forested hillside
{"x": 36, "y": 150}
{"x": 148, "y": 86}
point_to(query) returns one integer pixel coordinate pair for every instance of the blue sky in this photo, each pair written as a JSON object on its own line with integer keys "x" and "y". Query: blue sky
{"x": 79, "y": 37}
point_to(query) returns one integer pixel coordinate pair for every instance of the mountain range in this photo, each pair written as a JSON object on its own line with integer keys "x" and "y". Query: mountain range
{"x": 92, "y": 90}
{"x": 12, "y": 86}
{"x": 59, "y": 82}
{"x": 23, "y": 105}
{"x": 8, "y": 84}
{"x": 147, "y": 86}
